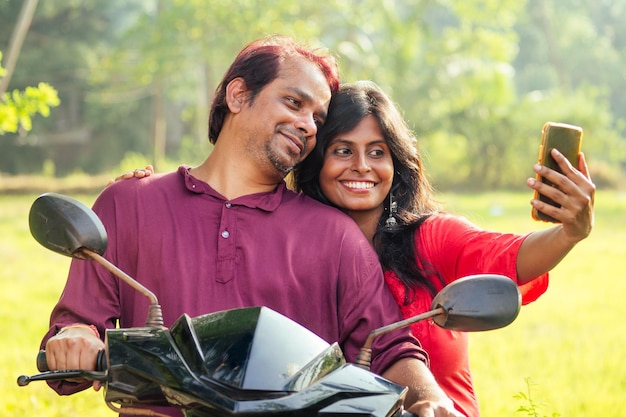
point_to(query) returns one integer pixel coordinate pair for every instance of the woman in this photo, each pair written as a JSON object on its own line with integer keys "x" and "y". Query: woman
{"x": 366, "y": 164}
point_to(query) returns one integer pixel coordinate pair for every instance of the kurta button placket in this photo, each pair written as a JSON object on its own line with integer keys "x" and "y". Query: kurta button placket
{"x": 226, "y": 243}
{"x": 225, "y": 233}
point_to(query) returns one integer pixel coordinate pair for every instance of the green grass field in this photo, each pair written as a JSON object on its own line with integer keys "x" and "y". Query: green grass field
{"x": 570, "y": 343}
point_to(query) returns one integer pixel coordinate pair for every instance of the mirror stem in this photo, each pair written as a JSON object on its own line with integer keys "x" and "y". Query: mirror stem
{"x": 155, "y": 315}
{"x": 364, "y": 357}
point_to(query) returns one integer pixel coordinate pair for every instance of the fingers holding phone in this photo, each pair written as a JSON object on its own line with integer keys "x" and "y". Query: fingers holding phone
{"x": 563, "y": 190}
{"x": 567, "y": 139}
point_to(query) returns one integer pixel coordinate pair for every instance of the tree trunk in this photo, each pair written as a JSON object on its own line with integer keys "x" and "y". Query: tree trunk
{"x": 17, "y": 39}
{"x": 160, "y": 125}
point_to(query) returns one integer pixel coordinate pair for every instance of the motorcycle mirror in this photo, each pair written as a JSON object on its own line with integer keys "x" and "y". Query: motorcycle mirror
{"x": 470, "y": 304}
{"x": 66, "y": 226}
{"x": 478, "y": 303}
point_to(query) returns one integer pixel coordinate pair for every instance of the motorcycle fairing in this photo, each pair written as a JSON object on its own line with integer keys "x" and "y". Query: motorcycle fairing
{"x": 247, "y": 361}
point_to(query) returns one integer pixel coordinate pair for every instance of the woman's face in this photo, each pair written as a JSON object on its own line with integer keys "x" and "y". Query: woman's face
{"x": 358, "y": 169}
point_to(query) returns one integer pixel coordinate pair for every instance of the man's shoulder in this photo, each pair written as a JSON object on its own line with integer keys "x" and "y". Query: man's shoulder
{"x": 310, "y": 207}
{"x": 292, "y": 197}
{"x": 322, "y": 221}
{"x": 132, "y": 191}
{"x": 138, "y": 185}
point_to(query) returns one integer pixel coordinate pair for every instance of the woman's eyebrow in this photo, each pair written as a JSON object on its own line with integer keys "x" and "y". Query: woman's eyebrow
{"x": 350, "y": 142}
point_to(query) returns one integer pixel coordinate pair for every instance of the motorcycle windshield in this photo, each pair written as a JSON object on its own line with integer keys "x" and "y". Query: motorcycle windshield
{"x": 254, "y": 348}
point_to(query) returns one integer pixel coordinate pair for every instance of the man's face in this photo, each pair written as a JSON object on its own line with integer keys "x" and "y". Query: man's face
{"x": 283, "y": 119}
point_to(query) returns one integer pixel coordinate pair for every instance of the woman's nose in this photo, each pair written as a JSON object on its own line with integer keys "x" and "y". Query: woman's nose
{"x": 360, "y": 163}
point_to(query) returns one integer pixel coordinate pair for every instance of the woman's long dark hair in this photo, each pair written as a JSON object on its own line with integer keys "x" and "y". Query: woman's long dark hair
{"x": 410, "y": 189}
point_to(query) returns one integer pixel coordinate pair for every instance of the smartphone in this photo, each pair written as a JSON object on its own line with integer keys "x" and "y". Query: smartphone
{"x": 567, "y": 139}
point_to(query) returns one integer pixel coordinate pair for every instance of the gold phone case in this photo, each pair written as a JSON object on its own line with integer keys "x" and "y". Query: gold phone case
{"x": 568, "y": 140}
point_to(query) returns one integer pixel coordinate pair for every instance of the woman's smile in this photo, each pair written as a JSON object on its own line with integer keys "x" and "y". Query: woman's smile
{"x": 358, "y": 185}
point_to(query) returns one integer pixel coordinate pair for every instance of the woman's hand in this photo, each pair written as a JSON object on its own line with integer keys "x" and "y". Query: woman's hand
{"x": 138, "y": 173}
{"x": 573, "y": 190}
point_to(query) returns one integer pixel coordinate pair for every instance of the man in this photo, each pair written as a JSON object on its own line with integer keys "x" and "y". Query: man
{"x": 229, "y": 234}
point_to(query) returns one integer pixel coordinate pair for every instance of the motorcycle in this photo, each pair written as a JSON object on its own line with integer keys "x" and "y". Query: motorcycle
{"x": 245, "y": 361}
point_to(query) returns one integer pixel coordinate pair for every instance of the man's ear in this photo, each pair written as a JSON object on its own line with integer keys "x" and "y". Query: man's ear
{"x": 236, "y": 94}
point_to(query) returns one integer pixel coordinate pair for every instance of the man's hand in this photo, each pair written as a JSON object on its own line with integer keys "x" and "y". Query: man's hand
{"x": 74, "y": 347}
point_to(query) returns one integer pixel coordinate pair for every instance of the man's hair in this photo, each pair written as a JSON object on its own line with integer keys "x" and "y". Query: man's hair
{"x": 258, "y": 64}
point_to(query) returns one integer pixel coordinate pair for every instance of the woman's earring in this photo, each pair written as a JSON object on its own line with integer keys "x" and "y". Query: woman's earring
{"x": 393, "y": 209}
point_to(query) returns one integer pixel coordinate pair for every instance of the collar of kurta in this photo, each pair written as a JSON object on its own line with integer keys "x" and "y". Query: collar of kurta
{"x": 266, "y": 201}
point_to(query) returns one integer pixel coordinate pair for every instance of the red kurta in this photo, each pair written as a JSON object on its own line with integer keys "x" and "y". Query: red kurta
{"x": 456, "y": 248}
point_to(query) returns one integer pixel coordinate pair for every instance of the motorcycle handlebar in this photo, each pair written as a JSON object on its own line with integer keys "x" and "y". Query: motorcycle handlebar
{"x": 42, "y": 362}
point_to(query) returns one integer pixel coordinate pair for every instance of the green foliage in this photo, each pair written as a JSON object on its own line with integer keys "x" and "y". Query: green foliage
{"x": 588, "y": 106}
{"x": 192, "y": 151}
{"x": 476, "y": 80}
{"x": 48, "y": 169}
{"x": 18, "y": 107}
{"x": 131, "y": 161}
{"x": 530, "y": 406}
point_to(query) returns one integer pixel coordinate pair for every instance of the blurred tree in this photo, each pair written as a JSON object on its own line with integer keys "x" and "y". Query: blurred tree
{"x": 476, "y": 80}
{"x": 570, "y": 68}
{"x": 458, "y": 71}
{"x": 448, "y": 65}
{"x": 62, "y": 40}
{"x": 17, "y": 39}
{"x": 176, "y": 52}
{"x": 17, "y": 108}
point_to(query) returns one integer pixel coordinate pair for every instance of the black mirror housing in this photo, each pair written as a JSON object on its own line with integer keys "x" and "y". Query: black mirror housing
{"x": 65, "y": 225}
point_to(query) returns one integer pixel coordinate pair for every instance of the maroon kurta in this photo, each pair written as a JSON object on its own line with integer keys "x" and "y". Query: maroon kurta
{"x": 200, "y": 253}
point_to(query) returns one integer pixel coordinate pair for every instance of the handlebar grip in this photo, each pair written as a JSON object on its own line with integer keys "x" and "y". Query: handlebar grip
{"x": 42, "y": 362}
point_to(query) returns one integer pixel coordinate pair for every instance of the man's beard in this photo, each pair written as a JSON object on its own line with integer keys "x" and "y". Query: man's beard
{"x": 278, "y": 161}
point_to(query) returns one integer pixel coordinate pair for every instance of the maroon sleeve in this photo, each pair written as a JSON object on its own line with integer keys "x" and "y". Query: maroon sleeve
{"x": 89, "y": 298}
{"x": 367, "y": 305}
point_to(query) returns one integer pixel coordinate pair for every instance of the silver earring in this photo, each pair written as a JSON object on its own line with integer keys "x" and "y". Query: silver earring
{"x": 393, "y": 209}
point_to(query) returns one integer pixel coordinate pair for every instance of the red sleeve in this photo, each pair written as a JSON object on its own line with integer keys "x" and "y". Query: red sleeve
{"x": 534, "y": 289}
{"x": 457, "y": 248}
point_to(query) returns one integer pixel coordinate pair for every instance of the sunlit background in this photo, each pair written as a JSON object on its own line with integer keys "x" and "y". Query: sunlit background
{"x": 476, "y": 80}
{"x": 130, "y": 82}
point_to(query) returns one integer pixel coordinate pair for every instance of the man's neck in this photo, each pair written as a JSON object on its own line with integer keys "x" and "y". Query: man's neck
{"x": 233, "y": 178}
